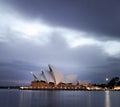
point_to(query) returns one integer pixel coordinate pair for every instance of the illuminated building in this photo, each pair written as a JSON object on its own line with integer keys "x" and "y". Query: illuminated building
{"x": 53, "y": 75}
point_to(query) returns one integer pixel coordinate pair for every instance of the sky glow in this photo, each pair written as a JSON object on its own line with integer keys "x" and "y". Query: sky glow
{"x": 41, "y": 32}
{"x": 79, "y": 43}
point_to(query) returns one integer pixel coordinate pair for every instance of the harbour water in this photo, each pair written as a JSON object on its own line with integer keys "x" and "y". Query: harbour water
{"x": 56, "y": 98}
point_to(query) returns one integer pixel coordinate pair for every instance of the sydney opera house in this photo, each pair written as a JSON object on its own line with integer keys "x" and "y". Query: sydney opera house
{"x": 53, "y": 79}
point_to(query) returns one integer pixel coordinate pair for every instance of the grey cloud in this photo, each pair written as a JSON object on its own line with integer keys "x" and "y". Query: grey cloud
{"x": 99, "y": 17}
{"x": 57, "y": 52}
{"x": 88, "y": 62}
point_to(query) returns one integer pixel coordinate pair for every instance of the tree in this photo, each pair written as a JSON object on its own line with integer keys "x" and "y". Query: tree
{"x": 118, "y": 83}
{"x": 113, "y": 82}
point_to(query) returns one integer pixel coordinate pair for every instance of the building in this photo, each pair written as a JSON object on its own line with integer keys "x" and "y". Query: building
{"x": 53, "y": 75}
{"x": 53, "y": 79}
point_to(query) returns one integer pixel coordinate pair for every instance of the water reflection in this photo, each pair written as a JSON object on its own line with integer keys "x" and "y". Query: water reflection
{"x": 39, "y": 98}
{"x": 54, "y": 99}
{"x": 107, "y": 99}
{"x": 25, "y": 99}
{"x": 64, "y": 98}
{"x": 7, "y": 98}
{"x": 28, "y": 98}
{"x": 89, "y": 100}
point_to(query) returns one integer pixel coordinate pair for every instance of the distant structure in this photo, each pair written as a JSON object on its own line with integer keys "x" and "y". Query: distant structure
{"x": 53, "y": 75}
{"x": 53, "y": 79}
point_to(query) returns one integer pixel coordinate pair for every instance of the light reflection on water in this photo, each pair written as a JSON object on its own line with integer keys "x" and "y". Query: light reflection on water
{"x": 27, "y": 98}
{"x": 107, "y": 99}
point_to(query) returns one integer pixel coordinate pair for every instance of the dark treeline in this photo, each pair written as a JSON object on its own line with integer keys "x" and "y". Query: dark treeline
{"x": 115, "y": 81}
{"x": 9, "y": 87}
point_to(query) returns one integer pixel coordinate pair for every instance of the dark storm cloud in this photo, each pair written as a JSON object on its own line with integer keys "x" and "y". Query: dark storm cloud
{"x": 100, "y": 17}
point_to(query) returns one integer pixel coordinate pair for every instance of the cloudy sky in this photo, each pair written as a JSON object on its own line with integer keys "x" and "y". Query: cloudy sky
{"x": 79, "y": 37}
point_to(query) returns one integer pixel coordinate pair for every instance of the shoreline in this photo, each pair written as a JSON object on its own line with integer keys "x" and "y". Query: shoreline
{"x": 58, "y": 89}
{"x": 53, "y": 89}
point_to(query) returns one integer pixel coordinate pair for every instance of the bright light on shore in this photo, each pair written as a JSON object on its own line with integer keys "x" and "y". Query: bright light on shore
{"x": 107, "y": 79}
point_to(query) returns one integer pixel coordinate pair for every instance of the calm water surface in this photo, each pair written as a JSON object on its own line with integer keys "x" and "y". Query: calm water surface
{"x": 29, "y": 98}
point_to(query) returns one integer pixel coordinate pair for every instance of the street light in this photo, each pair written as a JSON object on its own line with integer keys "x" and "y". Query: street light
{"x": 107, "y": 82}
{"x": 106, "y": 79}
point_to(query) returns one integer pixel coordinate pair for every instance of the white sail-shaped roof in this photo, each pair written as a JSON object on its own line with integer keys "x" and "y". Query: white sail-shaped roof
{"x": 48, "y": 77}
{"x": 42, "y": 78}
{"x": 35, "y": 76}
{"x": 54, "y": 75}
{"x": 57, "y": 75}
